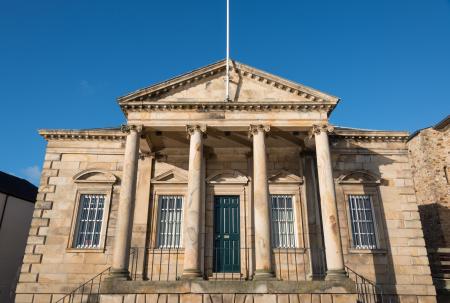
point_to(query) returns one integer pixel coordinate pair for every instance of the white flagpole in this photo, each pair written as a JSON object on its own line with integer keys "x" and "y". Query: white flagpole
{"x": 227, "y": 80}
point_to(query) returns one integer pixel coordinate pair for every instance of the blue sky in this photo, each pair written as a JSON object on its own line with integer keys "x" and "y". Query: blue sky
{"x": 64, "y": 63}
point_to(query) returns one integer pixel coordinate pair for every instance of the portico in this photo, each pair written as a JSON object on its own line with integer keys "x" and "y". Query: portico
{"x": 194, "y": 250}
{"x": 177, "y": 116}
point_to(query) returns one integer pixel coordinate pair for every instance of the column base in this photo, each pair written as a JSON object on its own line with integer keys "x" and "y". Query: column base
{"x": 191, "y": 274}
{"x": 263, "y": 275}
{"x": 316, "y": 277}
{"x": 118, "y": 275}
{"x": 338, "y": 274}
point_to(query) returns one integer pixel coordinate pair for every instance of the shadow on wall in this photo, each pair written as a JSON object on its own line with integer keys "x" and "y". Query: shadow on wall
{"x": 363, "y": 159}
{"x": 431, "y": 216}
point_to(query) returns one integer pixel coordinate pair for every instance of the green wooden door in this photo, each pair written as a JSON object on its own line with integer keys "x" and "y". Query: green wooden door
{"x": 226, "y": 255}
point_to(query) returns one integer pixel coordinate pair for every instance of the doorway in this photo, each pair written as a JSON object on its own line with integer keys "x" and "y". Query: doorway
{"x": 226, "y": 255}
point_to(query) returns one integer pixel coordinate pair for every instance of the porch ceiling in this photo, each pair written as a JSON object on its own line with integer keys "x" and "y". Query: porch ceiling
{"x": 219, "y": 139}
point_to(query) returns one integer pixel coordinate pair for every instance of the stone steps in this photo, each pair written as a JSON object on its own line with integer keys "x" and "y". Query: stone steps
{"x": 440, "y": 267}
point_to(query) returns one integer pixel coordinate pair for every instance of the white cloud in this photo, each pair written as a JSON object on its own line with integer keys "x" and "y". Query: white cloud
{"x": 32, "y": 174}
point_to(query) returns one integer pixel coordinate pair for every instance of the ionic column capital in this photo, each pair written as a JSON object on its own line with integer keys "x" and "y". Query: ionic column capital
{"x": 318, "y": 128}
{"x": 191, "y": 129}
{"x": 254, "y": 129}
{"x": 127, "y": 128}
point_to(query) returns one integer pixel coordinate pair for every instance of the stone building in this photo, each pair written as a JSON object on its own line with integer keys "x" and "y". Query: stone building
{"x": 200, "y": 199}
{"x": 429, "y": 150}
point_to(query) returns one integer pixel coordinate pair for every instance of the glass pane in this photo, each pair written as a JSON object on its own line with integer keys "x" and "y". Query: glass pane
{"x": 89, "y": 223}
{"x": 362, "y": 221}
{"x": 283, "y": 231}
{"x": 170, "y": 221}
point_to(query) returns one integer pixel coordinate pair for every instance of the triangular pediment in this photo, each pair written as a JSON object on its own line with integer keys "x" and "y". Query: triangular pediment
{"x": 285, "y": 177}
{"x": 247, "y": 84}
{"x": 173, "y": 176}
{"x": 228, "y": 177}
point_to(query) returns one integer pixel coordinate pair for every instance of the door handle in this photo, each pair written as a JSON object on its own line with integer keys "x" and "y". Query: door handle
{"x": 226, "y": 236}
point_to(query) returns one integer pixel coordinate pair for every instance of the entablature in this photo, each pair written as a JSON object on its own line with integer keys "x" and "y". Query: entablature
{"x": 90, "y": 134}
{"x": 362, "y": 135}
{"x": 227, "y": 106}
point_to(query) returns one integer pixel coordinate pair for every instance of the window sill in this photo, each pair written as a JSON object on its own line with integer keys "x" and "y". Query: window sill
{"x": 180, "y": 250}
{"x": 85, "y": 250}
{"x": 367, "y": 251}
{"x": 300, "y": 250}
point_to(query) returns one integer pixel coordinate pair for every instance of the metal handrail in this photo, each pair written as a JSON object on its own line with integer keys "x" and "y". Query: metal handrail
{"x": 368, "y": 291}
{"x": 89, "y": 283}
{"x": 160, "y": 269}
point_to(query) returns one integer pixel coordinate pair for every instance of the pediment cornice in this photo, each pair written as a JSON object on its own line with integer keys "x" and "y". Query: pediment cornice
{"x": 172, "y": 176}
{"x": 147, "y": 98}
{"x": 226, "y": 106}
{"x": 359, "y": 177}
{"x": 285, "y": 177}
{"x": 95, "y": 176}
{"x": 227, "y": 177}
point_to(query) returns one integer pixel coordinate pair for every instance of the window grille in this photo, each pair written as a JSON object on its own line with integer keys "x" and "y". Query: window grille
{"x": 283, "y": 230}
{"x": 362, "y": 221}
{"x": 90, "y": 219}
{"x": 170, "y": 218}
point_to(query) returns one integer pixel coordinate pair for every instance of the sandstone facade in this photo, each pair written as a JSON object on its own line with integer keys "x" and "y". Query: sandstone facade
{"x": 270, "y": 144}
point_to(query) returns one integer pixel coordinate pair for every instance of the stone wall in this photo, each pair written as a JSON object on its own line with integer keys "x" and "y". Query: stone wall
{"x": 400, "y": 263}
{"x": 382, "y": 170}
{"x": 230, "y": 298}
{"x": 50, "y": 264}
{"x": 429, "y": 151}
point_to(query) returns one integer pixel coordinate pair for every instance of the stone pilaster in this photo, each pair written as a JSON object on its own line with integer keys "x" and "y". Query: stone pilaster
{"x": 141, "y": 214}
{"x": 193, "y": 206}
{"x": 122, "y": 238}
{"x": 330, "y": 220}
{"x": 263, "y": 263}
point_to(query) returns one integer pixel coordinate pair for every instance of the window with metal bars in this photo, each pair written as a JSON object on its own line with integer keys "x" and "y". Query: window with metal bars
{"x": 362, "y": 222}
{"x": 283, "y": 222}
{"x": 170, "y": 220}
{"x": 89, "y": 222}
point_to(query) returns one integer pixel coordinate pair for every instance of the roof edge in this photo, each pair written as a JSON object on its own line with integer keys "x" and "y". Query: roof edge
{"x": 366, "y": 135}
{"x": 17, "y": 187}
{"x": 82, "y": 134}
{"x": 179, "y": 80}
{"x": 438, "y": 126}
{"x": 354, "y": 131}
{"x": 443, "y": 123}
{"x": 168, "y": 81}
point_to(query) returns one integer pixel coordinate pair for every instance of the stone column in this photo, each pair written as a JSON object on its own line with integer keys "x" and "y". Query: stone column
{"x": 193, "y": 206}
{"x": 263, "y": 247}
{"x": 330, "y": 220}
{"x": 141, "y": 213}
{"x": 122, "y": 240}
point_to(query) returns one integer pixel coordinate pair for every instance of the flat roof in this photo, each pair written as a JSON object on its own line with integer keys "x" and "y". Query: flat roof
{"x": 17, "y": 187}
